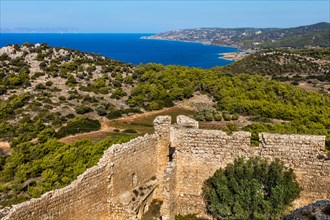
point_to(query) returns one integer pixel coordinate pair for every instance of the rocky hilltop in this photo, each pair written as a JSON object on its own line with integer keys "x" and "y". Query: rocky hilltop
{"x": 316, "y": 35}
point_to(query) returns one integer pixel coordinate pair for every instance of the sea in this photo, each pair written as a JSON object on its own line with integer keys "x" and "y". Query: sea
{"x": 130, "y": 48}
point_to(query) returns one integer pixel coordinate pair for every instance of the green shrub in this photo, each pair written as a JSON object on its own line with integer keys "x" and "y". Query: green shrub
{"x": 70, "y": 116}
{"x": 232, "y": 127}
{"x": 101, "y": 111}
{"x": 114, "y": 114}
{"x": 49, "y": 83}
{"x": 82, "y": 109}
{"x": 199, "y": 116}
{"x": 226, "y": 116}
{"x": 61, "y": 98}
{"x": 40, "y": 86}
{"x": 78, "y": 125}
{"x": 251, "y": 189}
{"x": 217, "y": 116}
{"x": 235, "y": 116}
{"x": 208, "y": 116}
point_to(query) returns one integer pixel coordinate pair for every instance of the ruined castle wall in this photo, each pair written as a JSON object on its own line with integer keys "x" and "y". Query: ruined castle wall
{"x": 121, "y": 168}
{"x": 198, "y": 154}
{"x": 85, "y": 198}
{"x": 303, "y": 153}
{"x": 133, "y": 163}
{"x": 106, "y": 191}
{"x": 169, "y": 190}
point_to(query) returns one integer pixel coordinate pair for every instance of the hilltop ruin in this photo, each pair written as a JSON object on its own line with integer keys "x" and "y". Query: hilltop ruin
{"x": 171, "y": 166}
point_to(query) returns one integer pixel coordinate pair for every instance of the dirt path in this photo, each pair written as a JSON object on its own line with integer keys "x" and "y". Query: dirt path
{"x": 106, "y": 127}
{"x": 146, "y": 114}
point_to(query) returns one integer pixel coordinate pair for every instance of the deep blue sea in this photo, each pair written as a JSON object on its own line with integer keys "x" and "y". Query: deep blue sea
{"x": 130, "y": 48}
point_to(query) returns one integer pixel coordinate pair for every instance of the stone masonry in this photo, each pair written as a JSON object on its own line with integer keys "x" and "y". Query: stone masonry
{"x": 171, "y": 165}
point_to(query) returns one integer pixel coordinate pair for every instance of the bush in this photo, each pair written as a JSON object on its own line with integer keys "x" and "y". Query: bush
{"x": 199, "y": 116}
{"x": 61, "y": 98}
{"x": 101, "y": 111}
{"x": 208, "y": 116}
{"x": 232, "y": 127}
{"x": 217, "y": 116}
{"x": 226, "y": 116}
{"x": 251, "y": 189}
{"x": 77, "y": 125}
{"x": 40, "y": 86}
{"x": 114, "y": 115}
{"x": 82, "y": 109}
{"x": 235, "y": 117}
{"x": 49, "y": 83}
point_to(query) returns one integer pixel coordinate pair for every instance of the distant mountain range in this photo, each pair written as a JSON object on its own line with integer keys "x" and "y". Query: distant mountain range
{"x": 316, "y": 35}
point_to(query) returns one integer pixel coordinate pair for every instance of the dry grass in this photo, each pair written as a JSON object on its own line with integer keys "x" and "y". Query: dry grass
{"x": 143, "y": 123}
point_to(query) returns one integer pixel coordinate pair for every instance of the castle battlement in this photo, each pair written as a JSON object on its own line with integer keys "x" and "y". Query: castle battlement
{"x": 171, "y": 166}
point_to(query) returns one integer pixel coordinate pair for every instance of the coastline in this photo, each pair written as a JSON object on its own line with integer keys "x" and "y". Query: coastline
{"x": 234, "y": 56}
{"x": 231, "y": 56}
{"x": 186, "y": 41}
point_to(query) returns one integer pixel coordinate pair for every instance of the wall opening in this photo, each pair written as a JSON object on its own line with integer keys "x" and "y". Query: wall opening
{"x": 171, "y": 152}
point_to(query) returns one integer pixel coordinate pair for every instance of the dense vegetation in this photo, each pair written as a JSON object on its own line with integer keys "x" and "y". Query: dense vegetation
{"x": 251, "y": 189}
{"x": 286, "y": 65}
{"x": 33, "y": 169}
{"x": 300, "y": 111}
{"x": 78, "y": 125}
{"x": 314, "y": 39}
{"x": 49, "y": 93}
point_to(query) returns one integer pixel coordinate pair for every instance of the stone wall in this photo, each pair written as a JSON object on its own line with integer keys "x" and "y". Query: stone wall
{"x": 304, "y": 154}
{"x": 100, "y": 192}
{"x": 199, "y": 153}
{"x": 171, "y": 165}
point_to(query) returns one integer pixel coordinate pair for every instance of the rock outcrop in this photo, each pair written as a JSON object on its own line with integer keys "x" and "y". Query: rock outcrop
{"x": 319, "y": 210}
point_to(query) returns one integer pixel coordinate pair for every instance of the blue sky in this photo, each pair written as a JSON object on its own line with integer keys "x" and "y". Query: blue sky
{"x": 156, "y": 16}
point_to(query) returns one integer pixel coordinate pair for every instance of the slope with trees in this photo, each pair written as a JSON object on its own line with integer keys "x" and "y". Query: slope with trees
{"x": 305, "y": 67}
{"x": 48, "y": 91}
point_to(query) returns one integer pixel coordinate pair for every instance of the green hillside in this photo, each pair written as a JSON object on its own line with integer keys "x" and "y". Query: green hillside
{"x": 48, "y": 93}
{"x": 304, "y": 66}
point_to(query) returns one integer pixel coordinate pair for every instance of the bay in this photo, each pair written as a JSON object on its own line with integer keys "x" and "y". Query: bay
{"x": 130, "y": 48}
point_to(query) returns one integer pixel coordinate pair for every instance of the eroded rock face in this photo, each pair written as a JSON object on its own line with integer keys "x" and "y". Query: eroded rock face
{"x": 319, "y": 210}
